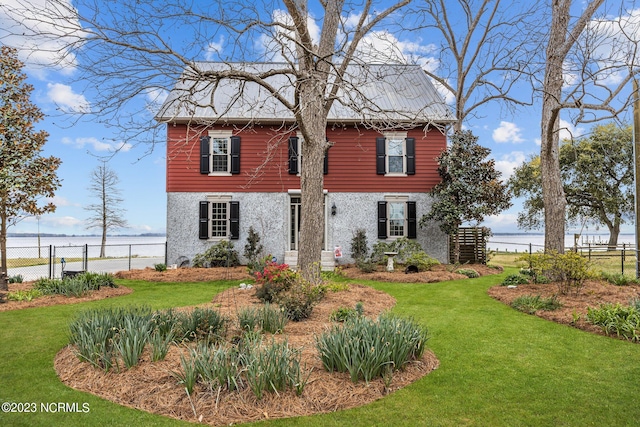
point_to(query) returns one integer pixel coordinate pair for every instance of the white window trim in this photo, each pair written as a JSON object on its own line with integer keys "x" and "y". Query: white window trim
{"x": 219, "y": 199}
{"x": 396, "y": 136}
{"x": 299, "y": 151}
{"x": 405, "y": 228}
{"x": 220, "y": 134}
{"x": 298, "y": 193}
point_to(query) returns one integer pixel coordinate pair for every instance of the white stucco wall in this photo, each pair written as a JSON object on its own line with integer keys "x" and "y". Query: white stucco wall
{"x": 268, "y": 213}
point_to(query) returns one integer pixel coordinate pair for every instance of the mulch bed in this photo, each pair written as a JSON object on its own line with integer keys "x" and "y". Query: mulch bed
{"x": 150, "y": 386}
{"x": 594, "y": 293}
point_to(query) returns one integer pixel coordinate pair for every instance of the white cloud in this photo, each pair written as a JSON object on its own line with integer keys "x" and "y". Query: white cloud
{"x": 97, "y": 145}
{"x": 61, "y": 201}
{"x": 272, "y": 45}
{"x": 569, "y": 131}
{"x": 215, "y": 49}
{"x": 61, "y": 221}
{"x": 41, "y": 33}
{"x": 63, "y": 96}
{"x": 507, "y": 132}
{"x": 508, "y": 162}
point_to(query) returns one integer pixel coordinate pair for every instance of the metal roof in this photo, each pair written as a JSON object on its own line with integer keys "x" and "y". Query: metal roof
{"x": 375, "y": 93}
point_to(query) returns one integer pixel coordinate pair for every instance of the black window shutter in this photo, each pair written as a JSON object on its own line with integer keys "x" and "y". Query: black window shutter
{"x": 380, "y": 156}
{"x": 412, "y": 231}
{"x": 203, "y": 225}
{"x": 293, "y": 155}
{"x": 411, "y": 156}
{"x": 234, "y": 220}
{"x": 235, "y": 154}
{"x": 382, "y": 220}
{"x": 326, "y": 162}
{"x": 204, "y": 154}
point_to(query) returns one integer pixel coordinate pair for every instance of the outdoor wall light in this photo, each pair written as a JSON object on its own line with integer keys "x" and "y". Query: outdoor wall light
{"x": 333, "y": 210}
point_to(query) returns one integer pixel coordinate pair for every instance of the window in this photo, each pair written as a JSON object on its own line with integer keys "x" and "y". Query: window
{"x": 219, "y": 218}
{"x": 219, "y": 153}
{"x": 396, "y": 218}
{"x": 395, "y": 154}
{"x": 295, "y": 156}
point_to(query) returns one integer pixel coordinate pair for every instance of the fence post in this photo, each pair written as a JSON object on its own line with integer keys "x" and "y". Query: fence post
{"x": 166, "y": 259}
{"x": 129, "y": 257}
{"x": 50, "y": 262}
{"x": 623, "y": 250}
{"x": 85, "y": 258}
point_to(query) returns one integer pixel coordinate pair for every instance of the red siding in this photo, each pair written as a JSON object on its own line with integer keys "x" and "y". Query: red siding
{"x": 264, "y": 163}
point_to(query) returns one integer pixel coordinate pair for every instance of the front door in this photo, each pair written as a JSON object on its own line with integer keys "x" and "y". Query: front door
{"x": 294, "y": 223}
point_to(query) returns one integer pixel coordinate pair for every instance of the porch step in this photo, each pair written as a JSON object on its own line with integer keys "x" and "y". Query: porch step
{"x": 327, "y": 261}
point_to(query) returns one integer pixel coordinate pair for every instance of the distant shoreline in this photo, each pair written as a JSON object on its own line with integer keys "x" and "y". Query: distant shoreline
{"x": 84, "y": 235}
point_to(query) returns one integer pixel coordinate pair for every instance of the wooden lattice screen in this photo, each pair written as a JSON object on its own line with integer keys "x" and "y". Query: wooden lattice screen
{"x": 473, "y": 245}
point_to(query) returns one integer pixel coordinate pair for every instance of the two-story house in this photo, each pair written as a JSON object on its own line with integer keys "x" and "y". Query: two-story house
{"x": 233, "y": 162}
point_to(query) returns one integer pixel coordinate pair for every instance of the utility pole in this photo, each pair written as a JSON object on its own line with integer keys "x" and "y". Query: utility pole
{"x": 636, "y": 164}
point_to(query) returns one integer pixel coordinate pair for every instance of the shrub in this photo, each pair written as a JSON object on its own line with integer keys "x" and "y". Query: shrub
{"x": 421, "y": 260}
{"x": 514, "y": 280}
{"x": 27, "y": 295}
{"x": 342, "y": 314}
{"x": 618, "y": 279}
{"x": 623, "y": 321}
{"x": 366, "y": 266}
{"x": 221, "y": 254}
{"x": 160, "y": 267}
{"x": 273, "y": 280}
{"x": 571, "y": 270}
{"x": 368, "y": 349}
{"x": 469, "y": 272}
{"x": 359, "y": 245}
{"x": 18, "y": 278}
{"x": 298, "y": 302}
{"x": 530, "y": 304}
{"x": 252, "y": 251}
{"x": 403, "y": 246}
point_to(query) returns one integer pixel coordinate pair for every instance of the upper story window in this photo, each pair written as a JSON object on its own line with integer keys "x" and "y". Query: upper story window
{"x": 220, "y": 153}
{"x": 395, "y": 154}
{"x": 295, "y": 156}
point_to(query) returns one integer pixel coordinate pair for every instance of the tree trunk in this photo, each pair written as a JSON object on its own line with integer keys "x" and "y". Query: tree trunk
{"x": 313, "y": 125}
{"x": 552, "y": 192}
{"x": 614, "y": 232}
{"x": 4, "y": 285}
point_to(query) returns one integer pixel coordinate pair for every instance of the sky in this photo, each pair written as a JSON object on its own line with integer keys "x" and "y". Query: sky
{"x": 512, "y": 136}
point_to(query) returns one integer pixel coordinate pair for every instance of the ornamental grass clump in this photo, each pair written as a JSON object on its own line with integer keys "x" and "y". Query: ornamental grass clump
{"x": 530, "y": 303}
{"x": 617, "y": 319}
{"x": 272, "y": 368}
{"x": 271, "y": 319}
{"x": 105, "y": 336}
{"x": 368, "y": 349}
{"x": 200, "y": 323}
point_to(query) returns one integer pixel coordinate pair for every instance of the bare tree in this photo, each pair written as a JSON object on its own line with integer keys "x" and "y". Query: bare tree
{"x": 582, "y": 55}
{"x": 485, "y": 50}
{"x": 135, "y": 49}
{"x": 106, "y": 214}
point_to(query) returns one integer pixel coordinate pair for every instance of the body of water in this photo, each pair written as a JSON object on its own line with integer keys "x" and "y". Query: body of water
{"x": 521, "y": 242}
{"x": 71, "y": 246}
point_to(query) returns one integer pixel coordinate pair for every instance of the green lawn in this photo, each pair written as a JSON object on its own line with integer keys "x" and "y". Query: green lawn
{"x": 498, "y": 367}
